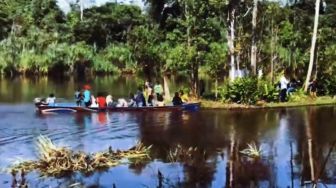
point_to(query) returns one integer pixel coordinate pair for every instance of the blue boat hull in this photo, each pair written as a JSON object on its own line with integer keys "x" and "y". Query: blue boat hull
{"x": 69, "y": 108}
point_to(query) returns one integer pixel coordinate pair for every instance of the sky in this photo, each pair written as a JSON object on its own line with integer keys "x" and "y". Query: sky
{"x": 64, "y": 4}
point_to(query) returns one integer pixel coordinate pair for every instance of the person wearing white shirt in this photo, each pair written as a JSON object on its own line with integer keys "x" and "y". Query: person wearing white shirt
{"x": 283, "y": 88}
{"x": 109, "y": 100}
{"x": 51, "y": 100}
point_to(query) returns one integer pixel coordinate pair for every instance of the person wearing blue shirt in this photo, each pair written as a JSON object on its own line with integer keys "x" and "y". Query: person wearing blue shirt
{"x": 87, "y": 97}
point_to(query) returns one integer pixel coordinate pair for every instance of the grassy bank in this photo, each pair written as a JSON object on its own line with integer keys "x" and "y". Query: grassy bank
{"x": 207, "y": 104}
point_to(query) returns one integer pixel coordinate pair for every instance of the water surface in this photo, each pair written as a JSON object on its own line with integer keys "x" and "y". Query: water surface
{"x": 294, "y": 142}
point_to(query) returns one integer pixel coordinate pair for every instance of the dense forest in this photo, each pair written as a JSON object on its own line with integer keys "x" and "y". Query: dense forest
{"x": 218, "y": 38}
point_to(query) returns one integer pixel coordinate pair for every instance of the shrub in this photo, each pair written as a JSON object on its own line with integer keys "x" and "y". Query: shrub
{"x": 327, "y": 85}
{"x": 249, "y": 90}
{"x": 298, "y": 96}
{"x": 242, "y": 90}
{"x": 267, "y": 91}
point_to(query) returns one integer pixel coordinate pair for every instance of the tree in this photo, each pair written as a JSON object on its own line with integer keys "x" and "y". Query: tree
{"x": 215, "y": 60}
{"x": 313, "y": 44}
{"x": 254, "y": 42}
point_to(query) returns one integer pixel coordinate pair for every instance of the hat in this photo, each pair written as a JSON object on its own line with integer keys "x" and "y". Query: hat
{"x": 87, "y": 86}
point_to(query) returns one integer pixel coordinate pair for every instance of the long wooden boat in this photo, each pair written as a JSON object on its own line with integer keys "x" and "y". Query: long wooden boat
{"x": 70, "y": 108}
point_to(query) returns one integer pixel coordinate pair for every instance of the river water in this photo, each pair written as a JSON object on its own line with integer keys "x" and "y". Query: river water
{"x": 295, "y": 142}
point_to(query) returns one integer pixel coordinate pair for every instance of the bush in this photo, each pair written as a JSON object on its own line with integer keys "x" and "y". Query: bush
{"x": 242, "y": 90}
{"x": 298, "y": 96}
{"x": 327, "y": 85}
{"x": 249, "y": 90}
{"x": 267, "y": 91}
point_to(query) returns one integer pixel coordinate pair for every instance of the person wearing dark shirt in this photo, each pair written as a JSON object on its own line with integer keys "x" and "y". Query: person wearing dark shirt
{"x": 78, "y": 97}
{"x": 313, "y": 88}
{"x": 177, "y": 99}
{"x": 159, "y": 100}
{"x": 140, "y": 98}
{"x": 131, "y": 101}
{"x": 150, "y": 100}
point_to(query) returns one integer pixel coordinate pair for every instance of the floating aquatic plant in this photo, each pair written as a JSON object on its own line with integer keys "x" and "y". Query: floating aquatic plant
{"x": 57, "y": 161}
{"x": 183, "y": 154}
{"x": 252, "y": 151}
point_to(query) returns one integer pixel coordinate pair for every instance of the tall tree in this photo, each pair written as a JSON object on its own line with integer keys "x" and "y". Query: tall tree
{"x": 231, "y": 19}
{"x": 313, "y": 44}
{"x": 254, "y": 42}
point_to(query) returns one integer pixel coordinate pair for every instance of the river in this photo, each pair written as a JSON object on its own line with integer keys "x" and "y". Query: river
{"x": 292, "y": 140}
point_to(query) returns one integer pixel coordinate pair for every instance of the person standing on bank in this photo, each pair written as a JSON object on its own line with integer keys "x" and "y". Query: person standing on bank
{"x": 283, "y": 88}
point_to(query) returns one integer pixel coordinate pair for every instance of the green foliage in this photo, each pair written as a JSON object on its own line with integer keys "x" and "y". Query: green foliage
{"x": 215, "y": 59}
{"x": 249, "y": 90}
{"x": 101, "y": 65}
{"x": 298, "y": 96}
{"x": 121, "y": 56}
{"x": 102, "y": 25}
{"x": 179, "y": 57}
{"x": 267, "y": 91}
{"x": 242, "y": 90}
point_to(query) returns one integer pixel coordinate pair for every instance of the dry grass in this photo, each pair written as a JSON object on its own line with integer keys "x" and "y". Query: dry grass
{"x": 252, "y": 151}
{"x": 57, "y": 161}
{"x": 184, "y": 154}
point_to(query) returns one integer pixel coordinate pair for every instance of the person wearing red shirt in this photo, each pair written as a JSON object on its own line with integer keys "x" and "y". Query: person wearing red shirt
{"x": 101, "y": 101}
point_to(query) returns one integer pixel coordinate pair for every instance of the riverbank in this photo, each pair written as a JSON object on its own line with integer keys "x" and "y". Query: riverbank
{"x": 207, "y": 104}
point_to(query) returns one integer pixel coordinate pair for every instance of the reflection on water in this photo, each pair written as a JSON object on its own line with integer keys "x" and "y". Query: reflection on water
{"x": 22, "y": 89}
{"x": 295, "y": 144}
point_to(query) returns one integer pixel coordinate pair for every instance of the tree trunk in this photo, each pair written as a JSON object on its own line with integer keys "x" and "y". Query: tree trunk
{"x": 254, "y": 42}
{"x": 216, "y": 88}
{"x": 272, "y": 52}
{"x": 81, "y": 5}
{"x": 194, "y": 80}
{"x": 238, "y": 65}
{"x": 194, "y": 66}
{"x": 166, "y": 87}
{"x": 231, "y": 39}
{"x": 313, "y": 45}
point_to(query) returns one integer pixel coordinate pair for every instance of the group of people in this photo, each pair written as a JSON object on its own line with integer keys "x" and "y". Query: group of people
{"x": 147, "y": 95}
{"x": 287, "y": 87}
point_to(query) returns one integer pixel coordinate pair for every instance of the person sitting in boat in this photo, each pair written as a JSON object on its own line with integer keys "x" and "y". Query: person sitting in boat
{"x": 78, "y": 97}
{"x": 110, "y": 102}
{"x": 101, "y": 101}
{"x": 87, "y": 96}
{"x": 147, "y": 90}
{"x": 51, "y": 100}
{"x": 40, "y": 101}
{"x": 184, "y": 97}
{"x": 158, "y": 89}
{"x": 131, "y": 101}
{"x": 122, "y": 103}
{"x": 94, "y": 103}
{"x": 177, "y": 99}
{"x": 140, "y": 98}
{"x": 160, "y": 100}
{"x": 150, "y": 101}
